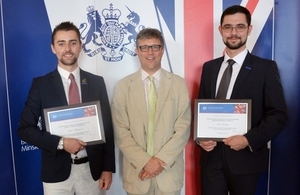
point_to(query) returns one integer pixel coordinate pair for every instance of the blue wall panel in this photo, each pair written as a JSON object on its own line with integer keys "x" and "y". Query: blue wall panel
{"x": 28, "y": 54}
{"x": 7, "y": 184}
{"x": 285, "y": 162}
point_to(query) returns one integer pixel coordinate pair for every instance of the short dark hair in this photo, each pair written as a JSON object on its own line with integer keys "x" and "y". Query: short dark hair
{"x": 65, "y": 26}
{"x": 236, "y": 9}
{"x": 148, "y": 33}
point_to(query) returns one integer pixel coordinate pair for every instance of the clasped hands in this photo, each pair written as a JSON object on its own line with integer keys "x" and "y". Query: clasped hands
{"x": 236, "y": 142}
{"x": 153, "y": 168}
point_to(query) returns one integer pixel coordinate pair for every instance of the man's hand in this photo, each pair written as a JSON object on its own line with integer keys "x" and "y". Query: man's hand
{"x": 237, "y": 142}
{"x": 73, "y": 145}
{"x": 153, "y": 167}
{"x": 207, "y": 145}
{"x": 145, "y": 175}
{"x": 105, "y": 180}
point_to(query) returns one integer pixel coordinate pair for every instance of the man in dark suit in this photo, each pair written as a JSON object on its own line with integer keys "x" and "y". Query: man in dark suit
{"x": 234, "y": 165}
{"x": 69, "y": 165}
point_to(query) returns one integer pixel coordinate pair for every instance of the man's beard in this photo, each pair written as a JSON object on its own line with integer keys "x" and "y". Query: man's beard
{"x": 235, "y": 46}
{"x": 68, "y": 63}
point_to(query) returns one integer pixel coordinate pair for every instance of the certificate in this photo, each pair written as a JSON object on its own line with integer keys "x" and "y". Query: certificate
{"x": 81, "y": 121}
{"x": 216, "y": 119}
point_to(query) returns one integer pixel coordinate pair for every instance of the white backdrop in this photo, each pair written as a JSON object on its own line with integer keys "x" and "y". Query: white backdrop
{"x": 113, "y": 68}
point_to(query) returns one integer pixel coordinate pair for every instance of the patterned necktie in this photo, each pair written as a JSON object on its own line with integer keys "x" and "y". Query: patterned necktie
{"x": 224, "y": 83}
{"x": 74, "y": 97}
{"x": 152, "y": 99}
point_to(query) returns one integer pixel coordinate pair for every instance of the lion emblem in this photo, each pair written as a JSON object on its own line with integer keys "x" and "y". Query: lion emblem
{"x": 93, "y": 33}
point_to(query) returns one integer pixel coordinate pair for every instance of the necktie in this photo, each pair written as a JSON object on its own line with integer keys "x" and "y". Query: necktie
{"x": 73, "y": 91}
{"x": 152, "y": 99}
{"x": 224, "y": 83}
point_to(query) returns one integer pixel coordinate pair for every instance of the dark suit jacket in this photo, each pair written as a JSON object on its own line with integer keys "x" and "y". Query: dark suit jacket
{"x": 46, "y": 92}
{"x": 259, "y": 81}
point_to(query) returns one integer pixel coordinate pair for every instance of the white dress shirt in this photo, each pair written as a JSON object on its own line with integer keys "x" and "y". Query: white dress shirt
{"x": 146, "y": 82}
{"x": 236, "y": 67}
{"x": 66, "y": 83}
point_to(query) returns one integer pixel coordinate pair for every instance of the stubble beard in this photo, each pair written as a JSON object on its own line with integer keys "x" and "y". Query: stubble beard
{"x": 68, "y": 63}
{"x": 235, "y": 46}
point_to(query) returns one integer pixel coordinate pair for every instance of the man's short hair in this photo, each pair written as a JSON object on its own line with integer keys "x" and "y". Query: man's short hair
{"x": 236, "y": 9}
{"x": 65, "y": 26}
{"x": 148, "y": 33}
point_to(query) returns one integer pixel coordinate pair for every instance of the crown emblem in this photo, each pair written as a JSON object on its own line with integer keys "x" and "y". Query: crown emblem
{"x": 111, "y": 13}
{"x": 90, "y": 9}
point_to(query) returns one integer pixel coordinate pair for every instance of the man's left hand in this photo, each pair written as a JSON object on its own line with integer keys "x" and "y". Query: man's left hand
{"x": 236, "y": 142}
{"x": 105, "y": 180}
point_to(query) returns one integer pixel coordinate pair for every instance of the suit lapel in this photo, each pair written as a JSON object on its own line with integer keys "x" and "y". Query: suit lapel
{"x": 58, "y": 87}
{"x": 84, "y": 86}
{"x": 214, "y": 76}
{"x": 163, "y": 91}
{"x": 244, "y": 71}
{"x": 138, "y": 94}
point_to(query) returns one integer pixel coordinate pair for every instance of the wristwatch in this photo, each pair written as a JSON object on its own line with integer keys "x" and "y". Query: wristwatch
{"x": 61, "y": 144}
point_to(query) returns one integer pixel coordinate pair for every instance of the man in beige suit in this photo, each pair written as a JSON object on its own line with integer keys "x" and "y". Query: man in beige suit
{"x": 160, "y": 172}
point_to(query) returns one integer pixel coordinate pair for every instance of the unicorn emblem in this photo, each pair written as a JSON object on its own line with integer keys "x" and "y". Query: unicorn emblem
{"x": 132, "y": 26}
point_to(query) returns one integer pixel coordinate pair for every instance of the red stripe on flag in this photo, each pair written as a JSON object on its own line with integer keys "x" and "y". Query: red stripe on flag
{"x": 198, "y": 39}
{"x": 251, "y": 5}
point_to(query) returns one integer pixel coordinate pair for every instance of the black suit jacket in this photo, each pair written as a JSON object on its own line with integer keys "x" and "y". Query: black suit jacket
{"x": 48, "y": 91}
{"x": 259, "y": 81}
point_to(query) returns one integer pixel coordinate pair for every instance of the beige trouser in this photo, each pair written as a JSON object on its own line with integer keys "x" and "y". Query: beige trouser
{"x": 80, "y": 182}
{"x": 154, "y": 190}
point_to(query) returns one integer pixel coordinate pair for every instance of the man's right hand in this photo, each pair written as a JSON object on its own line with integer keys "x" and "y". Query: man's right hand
{"x": 73, "y": 145}
{"x": 153, "y": 167}
{"x": 207, "y": 145}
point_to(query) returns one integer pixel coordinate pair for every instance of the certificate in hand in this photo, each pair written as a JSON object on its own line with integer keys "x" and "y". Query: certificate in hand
{"x": 81, "y": 121}
{"x": 217, "y": 119}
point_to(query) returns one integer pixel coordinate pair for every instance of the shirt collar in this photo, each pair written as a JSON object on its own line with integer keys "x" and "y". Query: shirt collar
{"x": 239, "y": 59}
{"x": 65, "y": 74}
{"x": 156, "y": 75}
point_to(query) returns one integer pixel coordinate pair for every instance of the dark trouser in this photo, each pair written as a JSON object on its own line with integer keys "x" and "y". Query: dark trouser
{"x": 216, "y": 179}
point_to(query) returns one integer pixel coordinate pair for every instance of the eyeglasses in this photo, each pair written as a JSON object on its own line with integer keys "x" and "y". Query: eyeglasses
{"x": 238, "y": 28}
{"x": 145, "y": 48}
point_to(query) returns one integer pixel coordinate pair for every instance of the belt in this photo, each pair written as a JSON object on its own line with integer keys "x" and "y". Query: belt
{"x": 78, "y": 161}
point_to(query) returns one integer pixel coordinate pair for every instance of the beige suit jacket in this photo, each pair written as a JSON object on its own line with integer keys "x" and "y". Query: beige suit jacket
{"x": 172, "y": 130}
